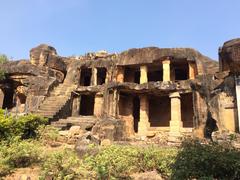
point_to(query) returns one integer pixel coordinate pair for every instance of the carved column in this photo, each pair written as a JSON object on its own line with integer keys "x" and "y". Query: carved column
{"x": 166, "y": 70}
{"x": 191, "y": 70}
{"x": 176, "y": 123}
{"x": 1, "y": 98}
{"x": 143, "y": 124}
{"x": 94, "y": 77}
{"x": 120, "y": 75}
{"x": 107, "y": 76}
{"x": 143, "y": 74}
{"x": 98, "y": 104}
{"x": 76, "y": 106}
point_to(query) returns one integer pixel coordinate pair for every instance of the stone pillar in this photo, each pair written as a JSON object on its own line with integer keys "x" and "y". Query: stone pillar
{"x": 76, "y": 106}
{"x": 98, "y": 104}
{"x": 166, "y": 70}
{"x": 94, "y": 77}
{"x": 107, "y": 76}
{"x": 191, "y": 70}
{"x": 1, "y": 98}
{"x": 143, "y": 124}
{"x": 113, "y": 103}
{"x": 143, "y": 74}
{"x": 176, "y": 123}
{"x": 120, "y": 74}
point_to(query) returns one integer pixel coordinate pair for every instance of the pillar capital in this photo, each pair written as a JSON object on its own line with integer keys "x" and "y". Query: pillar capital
{"x": 166, "y": 61}
{"x": 175, "y": 95}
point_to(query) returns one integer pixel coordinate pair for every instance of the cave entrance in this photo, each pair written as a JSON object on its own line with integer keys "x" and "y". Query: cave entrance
{"x": 101, "y": 75}
{"x": 187, "y": 110}
{"x": 8, "y": 101}
{"x": 179, "y": 70}
{"x": 155, "y": 73}
{"x": 132, "y": 74}
{"x": 87, "y": 105}
{"x": 159, "y": 111}
{"x": 21, "y": 98}
{"x": 136, "y": 112}
{"x": 85, "y": 77}
{"x": 129, "y": 109}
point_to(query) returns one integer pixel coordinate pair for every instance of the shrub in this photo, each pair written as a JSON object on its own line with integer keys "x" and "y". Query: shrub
{"x": 48, "y": 134}
{"x": 63, "y": 164}
{"x": 209, "y": 161}
{"x": 23, "y": 126}
{"x": 18, "y": 154}
{"x": 152, "y": 158}
{"x": 113, "y": 161}
{"x": 121, "y": 161}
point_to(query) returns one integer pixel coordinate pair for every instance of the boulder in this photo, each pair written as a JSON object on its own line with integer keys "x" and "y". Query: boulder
{"x": 109, "y": 128}
{"x": 87, "y": 144}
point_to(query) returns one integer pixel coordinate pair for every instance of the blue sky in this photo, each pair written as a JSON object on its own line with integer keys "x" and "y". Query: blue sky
{"x": 75, "y": 27}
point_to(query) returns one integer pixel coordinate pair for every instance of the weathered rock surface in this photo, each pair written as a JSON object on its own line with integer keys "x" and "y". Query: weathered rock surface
{"x": 45, "y": 55}
{"x": 230, "y": 55}
{"x": 108, "y": 128}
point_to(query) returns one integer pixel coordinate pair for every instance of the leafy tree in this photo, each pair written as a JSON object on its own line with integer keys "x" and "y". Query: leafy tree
{"x": 3, "y": 59}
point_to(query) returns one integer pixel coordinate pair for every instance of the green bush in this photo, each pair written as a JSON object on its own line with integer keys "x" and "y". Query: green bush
{"x": 23, "y": 126}
{"x": 18, "y": 154}
{"x": 113, "y": 161}
{"x": 48, "y": 134}
{"x": 63, "y": 164}
{"x": 160, "y": 159}
{"x": 206, "y": 161}
{"x": 121, "y": 161}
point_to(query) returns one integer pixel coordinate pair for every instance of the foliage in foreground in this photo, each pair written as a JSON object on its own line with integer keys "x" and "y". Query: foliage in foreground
{"x": 111, "y": 162}
{"x": 206, "y": 161}
{"x": 23, "y": 126}
{"x": 18, "y": 154}
{"x": 192, "y": 161}
{"x": 121, "y": 161}
{"x": 63, "y": 164}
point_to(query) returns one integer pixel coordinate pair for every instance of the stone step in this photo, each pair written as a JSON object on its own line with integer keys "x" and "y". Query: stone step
{"x": 49, "y": 107}
{"x": 84, "y": 122}
{"x": 57, "y": 98}
{"x": 52, "y": 104}
{"x": 46, "y": 112}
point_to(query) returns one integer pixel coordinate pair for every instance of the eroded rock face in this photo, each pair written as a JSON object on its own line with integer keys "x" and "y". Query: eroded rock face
{"x": 40, "y": 54}
{"x": 230, "y": 55}
{"x": 45, "y": 55}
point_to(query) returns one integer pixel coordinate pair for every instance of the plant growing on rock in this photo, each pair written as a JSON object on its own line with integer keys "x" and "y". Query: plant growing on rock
{"x": 3, "y": 59}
